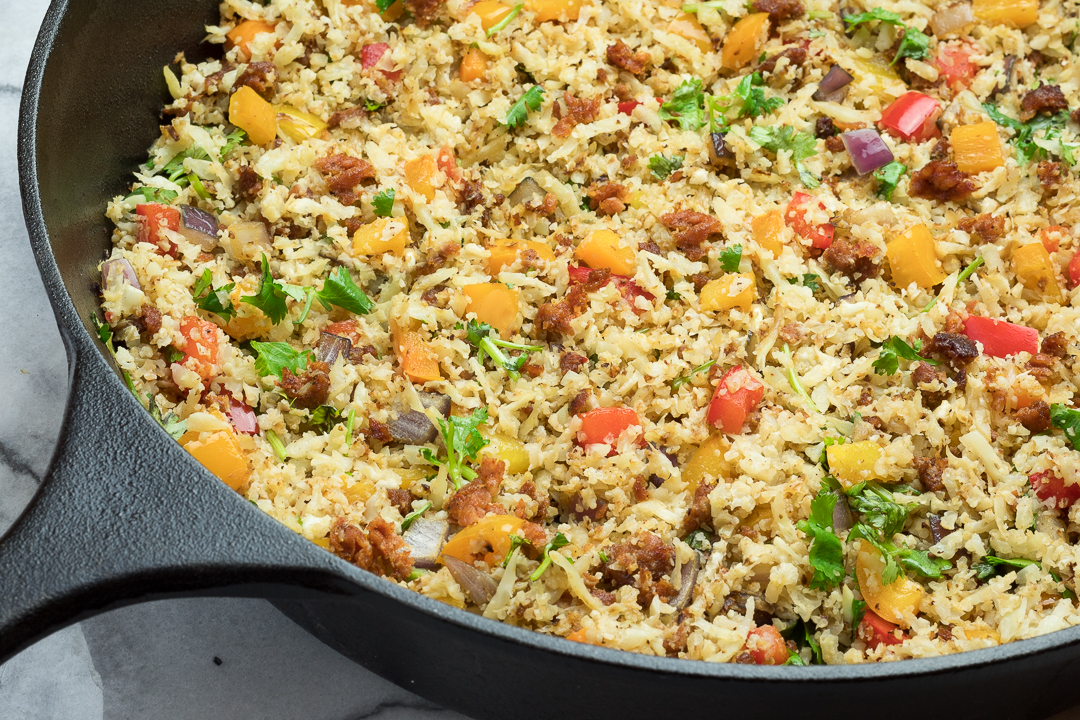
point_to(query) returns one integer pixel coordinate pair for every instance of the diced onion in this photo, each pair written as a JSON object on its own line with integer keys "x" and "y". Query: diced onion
{"x": 198, "y": 227}
{"x": 128, "y": 272}
{"x": 833, "y": 87}
{"x": 954, "y": 19}
{"x": 867, "y": 150}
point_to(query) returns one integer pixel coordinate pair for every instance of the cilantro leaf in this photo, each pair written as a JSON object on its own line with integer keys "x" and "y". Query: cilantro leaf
{"x": 516, "y": 541}
{"x": 408, "y": 519}
{"x": 172, "y": 355}
{"x": 801, "y": 634}
{"x": 323, "y": 419}
{"x": 879, "y": 509}
{"x": 730, "y": 258}
{"x": 826, "y": 550}
{"x": 888, "y": 177}
{"x": 880, "y": 14}
{"x": 153, "y": 194}
{"x": 274, "y": 357}
{"x": 754, "y": 103}
{"x": 506, "y": 20}
{"x": 662, "y": 166}
{"x": 794, "y": 659}
{"x": 800, "y": 145}
{"x": 383, "y": 203}
{"x": 1029, "y": 147}
{"x": 340, "y": 290}
{"x": 463, "y": 441}
{"x": 892, "y": 571}
{"x": 894, "y": 348}
{"x": 858, "y": 609}
{"x": 699, "y": 540}
{"x": 1067, "y": 420}
{"x": 809, "y": 280}
{"x": 519, "y": 111}
{"x": 922, "y": 563}
{"x": 104, "y": 333}
{"x": 271, "y": 295}
{"x": 483, "y": 337}
{"x": 556, "y": 542}
{"x": 915, "y": 45}
{"x": 170, "y": 423}
{"x": 215, "y": 300}
{"x": 680, "y": 381}
{"x": 988, "y": 565}
{"x": 686, "y": 106}
{"x": 383, "y": 5}
{"x": 232, "y": 141}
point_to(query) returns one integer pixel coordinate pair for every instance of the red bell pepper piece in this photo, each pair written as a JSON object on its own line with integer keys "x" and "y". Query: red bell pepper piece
{"x": 243, "y": 417}
{"x": 448, "y": 163}
{"x": 955, "y": 66}
{"x": 154, "y": 218}
{"x": 604, "y": 426}
{"x": 346, "y": 329}
{"x": 912, "y": 116}
{"x": 627, "y": 107}
{"x": 1000, "y": 338}
{"x": 1074, "y": 270}
{"x": 766, "y": 645}
{"x": 629, "y": 289}
{"x": 1050, "y": 237}
{"x": 735, "y": 397}
{"x": 200, "y": 345}
{"x": 1052, "y": 489}
{"x": 875, "y": 630}
{"x": 370, "y": 55}
{"x": 820, "y": 235}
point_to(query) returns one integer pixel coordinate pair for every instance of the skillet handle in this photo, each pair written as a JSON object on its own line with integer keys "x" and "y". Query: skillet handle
{"x": 125, "y": 514}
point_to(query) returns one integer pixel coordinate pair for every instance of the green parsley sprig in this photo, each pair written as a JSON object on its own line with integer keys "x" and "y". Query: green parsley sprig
{"x": 487, "y": 342}
{"x": 894, "y": 348}
{"x": 686, "y": 106}
{"x": 519, "y": 111}
{"x": 1030, "y": 146}
{"x": 1067, "y": 420}
{"x": 785, "y": 138}
{"x": 662, "y": 166}
{"x": 730, "y": 258}
{"x": 273, "y": 357}
{"x": 463, "y": 441}
{"x": 211, "y": 299}
{"x": 888, "y": 176}
{"x": 556, "y": 542}
{"x": 826, "y": 549}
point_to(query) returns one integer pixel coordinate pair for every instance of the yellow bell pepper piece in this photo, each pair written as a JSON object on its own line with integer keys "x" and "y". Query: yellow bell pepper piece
{"x": 411, "y": 475}
{"x": 473, "y": 65}
{"x": 253, "y": 115}
{"x": 488, "y": 538}
{"x": 687, "y": 26}
{"x": 418, "y": 361}
{"x": 222, "y": 455}
{"x": 769, "y": 232}
{"x": 853, "y": 463}
{"x": 912, "y": 257}
{"x": 742, "y": 43}
{"x": 603, "y": 249}
{"x": 359, "y": 491}
{"x": 244, "y": 34}
{"x": 707, "y": 462}
{"x": 420, "y": 175}
{"x": 298, "y": 125}
{"x": 1014, "y": 13}
{"x": 547, "y": 10}
{"x": 508, "y": 449}
{"x": 893, "y": 602}
{"x": 731, "y": 290}
{"x": 1035, "y": 270}
{"x": 977, "y": 147}
{"x": 381, "y": 236}
{"x": 504, "y": 252}
{"x": 490, "y": 12}
{"x": 493, "y": 303}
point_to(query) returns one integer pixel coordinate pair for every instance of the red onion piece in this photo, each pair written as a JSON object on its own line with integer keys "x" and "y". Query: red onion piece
{"x": 413, "y": 427}
{"x": 425, "y": 538}
{"x": 199, "y": 227}
{"x": 841, "y": 515}
{"x": 687, "y": 580}
{"x": 243, "y": 417}
{"x": 332, "y": 346}
{"x": 479, "y": 587}
{"x": 833, "y": 87}
{"x": 954, "y": 19}
{"x": 867, "y": 150}
{"x": 125, "y": 267}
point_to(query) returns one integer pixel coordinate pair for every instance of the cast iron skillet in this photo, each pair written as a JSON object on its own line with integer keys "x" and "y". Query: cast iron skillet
{"x": 125, "y": 515}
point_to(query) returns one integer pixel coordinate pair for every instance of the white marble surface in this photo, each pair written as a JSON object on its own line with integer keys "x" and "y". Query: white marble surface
{"x": 153, "y": 661}
{"x": 159, "y": 660}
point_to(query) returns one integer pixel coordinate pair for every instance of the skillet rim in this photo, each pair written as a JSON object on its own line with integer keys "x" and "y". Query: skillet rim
{"x": 79, "y": 343}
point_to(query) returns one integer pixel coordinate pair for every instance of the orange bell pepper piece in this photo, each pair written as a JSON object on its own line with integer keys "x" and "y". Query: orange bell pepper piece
{"x": 418, "y": 361}
{"x": 1015, "y": 13}
{"x": 687, "y": 27}
{"x": 487, "y": 539}
{"x": 769, "y": 232}
{"x": 222, "y": 455}
{"x": 473, "y": 65}
{"x": 381, "y": 236}
{"x": 977, "y": 147}
{"x": 490, "y": 12}
{"x": 241, "y": 36}
{"x": 1036, "y": 271}
{"x": 913, "y": 259}
{"x": 548, "y": 10}
{"x": 493, "y": 303}
{"x": 504, "y": 252}
{"x": 727, "y": 292}
{"x": 253, "y": 115}
{"x": 420, "y": 175}
{"x": 744, "y": 39}
{"x": 604, "y": 249}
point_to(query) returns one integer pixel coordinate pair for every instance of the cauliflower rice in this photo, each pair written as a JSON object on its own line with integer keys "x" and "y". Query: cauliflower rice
{"x": 788, "y": 439}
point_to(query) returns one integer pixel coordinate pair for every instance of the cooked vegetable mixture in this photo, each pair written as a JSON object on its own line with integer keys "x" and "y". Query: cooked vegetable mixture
{"x": 732, "y": 331}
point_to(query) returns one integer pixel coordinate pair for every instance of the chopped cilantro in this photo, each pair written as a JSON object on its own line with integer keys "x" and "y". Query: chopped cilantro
{"x": 463, "y": 441}
{"x": 687, "y": 106}
{"x": 271, "y": 295}
{"x": 104, "y": 333}
{"x": 699, "y": 541}
{"x": 801, "y": 634}
{"x": 826, "y": 550}
{"x": 172, "y": 355}
{"x": 153, "y": 194}
{"x": 383, "y": 203}
{"x": 556, "y": 542}
{"x": 516, "y": 541}
{"x": 1067, "y": 420}
{"x": 408, "y": 519}
{"x": 794, "y": 382}
{"x": 274, "y": 357}
{"x": 800, "y": 145}
{"x": 680, "y": 381}
{"x": 969, "y": 270}
{"x": 988, "y": 565}
{"x": 809, "y": 280}
{"x": 662, "y": 166}
{"x": 858, "y": 609}
{"x": 215, "y": 300}
{"x": 880, "y": 14}
{"x": 519, "y": 111}
{"x": 483, "y": 337}
{"x": 506, "y": 20}
{"x": 232, "y": 141}
{"x": 277, "y": 445}
{"x": 339, "y": 290}
{"x": 879, "y": 508}
{"x": 371, "y": 106}
{"x": 894, "y": 348}
{"x": 749, "y": 97}
{"x": 383, "y": 5}
{"x": 915, "y": 45}
{"x": 888, "y": 177}
{"x": 794, "y": 659}
{"x": 1028, "y": 147}
{"x": 672, "y": 295}
{"x": 323, "y": 419}
{"x": 730, "y": 258}
{"x": 169, "y": 422}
